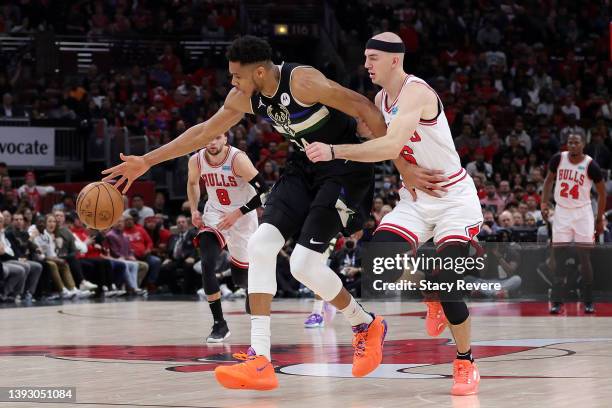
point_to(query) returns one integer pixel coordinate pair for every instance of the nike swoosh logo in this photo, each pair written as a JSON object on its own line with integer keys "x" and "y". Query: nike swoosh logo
{"x": 312, "y": 241}
{"x": 259, "y": 369}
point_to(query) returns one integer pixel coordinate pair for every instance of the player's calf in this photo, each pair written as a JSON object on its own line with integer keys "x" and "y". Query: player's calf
{"x": 309, "y": 267}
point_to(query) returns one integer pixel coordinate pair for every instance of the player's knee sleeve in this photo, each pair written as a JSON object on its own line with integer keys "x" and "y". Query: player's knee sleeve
{"x": 389, "y": 245}
{"x": 239, "y": 276}
{"x": 309, "y": 268}
{"x": 449, "y": 276}
{"x": 209, "y": 251}
{"x": 388, "y": 236}
{"x": 263, "y": 249}
{"x": 456, "y": 312}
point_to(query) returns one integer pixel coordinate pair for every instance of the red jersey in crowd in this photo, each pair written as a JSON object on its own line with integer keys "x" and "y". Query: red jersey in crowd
{"x": 140, "y": 241}
{"x": 92, "y": 251}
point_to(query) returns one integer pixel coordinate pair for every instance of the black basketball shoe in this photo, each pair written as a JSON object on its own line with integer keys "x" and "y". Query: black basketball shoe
{"x": 219, "y": 332}
{"x": 589, "y": 307}
{"x": 555, "y": 309}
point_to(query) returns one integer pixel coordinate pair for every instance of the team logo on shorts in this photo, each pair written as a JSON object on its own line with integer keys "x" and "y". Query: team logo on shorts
{"x": 285, "y": 99}
{"x": 394, "y": 110}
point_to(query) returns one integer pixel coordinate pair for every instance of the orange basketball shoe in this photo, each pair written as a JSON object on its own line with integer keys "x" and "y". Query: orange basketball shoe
{"x": 435, "y": 321}
{"x": 255, "y": 373}
{"x": 466, "y": 377}
{"x": 368, "y": 346}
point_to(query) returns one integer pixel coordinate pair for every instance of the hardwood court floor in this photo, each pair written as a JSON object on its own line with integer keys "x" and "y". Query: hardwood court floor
{"x": 151, "y": 354}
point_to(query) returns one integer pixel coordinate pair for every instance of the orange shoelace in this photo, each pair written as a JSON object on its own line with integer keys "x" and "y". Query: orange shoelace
{"x": 359, "y": 343}
{"x": 461, "y": 373}
{"x": 242, "y": 356}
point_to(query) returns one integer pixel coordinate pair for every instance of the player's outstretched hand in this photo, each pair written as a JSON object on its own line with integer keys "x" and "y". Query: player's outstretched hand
{"x": 128, "y": 171}
{"x": 196, "y": 219}
{"x": 228, "y": 219}
{"x": 318, "y": 151}
{"x": 418, "y": 178}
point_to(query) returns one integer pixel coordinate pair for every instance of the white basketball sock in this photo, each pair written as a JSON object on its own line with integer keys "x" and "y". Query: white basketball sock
{"x": 317, "y": 306}
{"x": 355, "y": 313}
{"x": 260, "y": 335}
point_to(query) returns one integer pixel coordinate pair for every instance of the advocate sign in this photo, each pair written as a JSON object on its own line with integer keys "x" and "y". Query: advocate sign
{"x": 27, "y": 146}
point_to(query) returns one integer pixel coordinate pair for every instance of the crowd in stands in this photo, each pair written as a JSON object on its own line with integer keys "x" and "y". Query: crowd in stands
{"x": 121, "y": 18}
{"x": 515, "y": 80}
{"x": 54, "y": 255}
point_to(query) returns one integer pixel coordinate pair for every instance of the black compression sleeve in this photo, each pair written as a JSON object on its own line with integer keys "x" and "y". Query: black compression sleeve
{"x": 553, "y": 165}
{"x": 594, "y": 172}
{"x": 261, "y": 188}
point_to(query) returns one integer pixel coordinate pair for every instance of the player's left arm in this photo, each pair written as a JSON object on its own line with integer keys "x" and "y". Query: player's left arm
{"x": 311, "y": 86}
{"x": 549, "y": 181}
{"x": 594, "y": 173}
{"x": 389, "y": 146}
{"x": 244, "y": 168}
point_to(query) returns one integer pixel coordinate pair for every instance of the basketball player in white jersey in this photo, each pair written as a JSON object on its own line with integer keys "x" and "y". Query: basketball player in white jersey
{"x": 418, "y": 131}
{"x": 573, "y": 174}
{"x": 234, "y": 188}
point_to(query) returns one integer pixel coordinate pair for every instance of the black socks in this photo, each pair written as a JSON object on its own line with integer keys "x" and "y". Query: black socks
{"x": 465, "y": 356}
{"x": 217, "y": 312}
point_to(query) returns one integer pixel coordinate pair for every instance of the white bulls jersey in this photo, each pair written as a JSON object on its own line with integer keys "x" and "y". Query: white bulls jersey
{"x": 573, "y": 182}
{"x": 456, "y": 216}
{"x": 431, "y": 146}
{"x": 226, "y": 191}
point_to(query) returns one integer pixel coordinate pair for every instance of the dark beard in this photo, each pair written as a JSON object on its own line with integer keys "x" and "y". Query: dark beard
{"x": 214, "y": 154}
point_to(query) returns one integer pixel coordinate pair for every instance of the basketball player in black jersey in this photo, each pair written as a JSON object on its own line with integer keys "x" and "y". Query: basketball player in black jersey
{"x": 315, "y": 200}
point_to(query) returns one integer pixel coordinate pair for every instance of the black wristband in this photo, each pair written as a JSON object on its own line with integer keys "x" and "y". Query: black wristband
{"x": 331, "y": 147}
{"x": 244, "y": 209}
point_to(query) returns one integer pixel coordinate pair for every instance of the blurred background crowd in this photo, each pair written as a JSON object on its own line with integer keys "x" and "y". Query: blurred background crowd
{"x": 515, "y": 77}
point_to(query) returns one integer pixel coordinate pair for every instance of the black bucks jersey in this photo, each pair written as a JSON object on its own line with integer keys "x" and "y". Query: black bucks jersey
{"x": 301, "y": 123}
{"x": 316, "y": 200}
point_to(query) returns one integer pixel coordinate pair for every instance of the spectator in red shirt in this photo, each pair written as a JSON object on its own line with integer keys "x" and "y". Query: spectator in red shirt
{"x": 123, "y": 90}
{"x": 141, "y": 245}
{"x": 159, "y": 235}
{"x": 95, "y": 266}
{"x": 7, "y": 185}
{"x": 479, "y": 184}
{"x": 270, "y": 173}
{"x": 269, "y": 134}
{"x": 168, "y": 60}
{"x": 32, "y": 192}
{"x": 206, "y": 75}
{"x": 271, "y": 153}
{"x": 410, "y": 37}
{"x": 485, "y": 91}
{"x": 227, "y": 19}
{"x": 452, "y": 58}
{"x": 531, "y": 192}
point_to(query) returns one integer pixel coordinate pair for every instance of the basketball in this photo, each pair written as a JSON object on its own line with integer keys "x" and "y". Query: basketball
{"x": 99, "y": 205}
